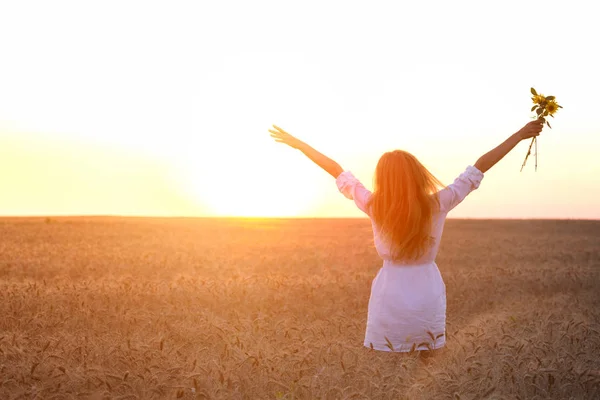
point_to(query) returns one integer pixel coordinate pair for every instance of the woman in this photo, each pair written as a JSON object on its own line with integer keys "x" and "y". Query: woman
{"x": 407, "y": 307}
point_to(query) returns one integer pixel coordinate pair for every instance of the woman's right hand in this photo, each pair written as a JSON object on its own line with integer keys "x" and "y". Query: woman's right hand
{"x": 532, "y": 129}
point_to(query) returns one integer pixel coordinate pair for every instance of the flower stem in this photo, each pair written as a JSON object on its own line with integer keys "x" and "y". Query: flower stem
{"x": 528, "y": 153}
{"x": 535, "y": 139}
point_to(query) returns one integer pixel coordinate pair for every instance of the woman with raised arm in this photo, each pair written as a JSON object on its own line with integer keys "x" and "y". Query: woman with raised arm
{"x": 407, "y": 209}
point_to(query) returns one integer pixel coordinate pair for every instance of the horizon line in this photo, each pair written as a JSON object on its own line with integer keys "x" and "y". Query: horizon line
{"x": 96, "y": 216}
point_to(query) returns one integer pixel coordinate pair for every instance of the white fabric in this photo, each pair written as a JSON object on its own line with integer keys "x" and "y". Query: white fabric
{"x": 407, "y": 307}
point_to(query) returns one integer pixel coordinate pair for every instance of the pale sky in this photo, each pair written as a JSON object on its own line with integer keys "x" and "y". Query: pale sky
{"x": 162, "y": 108}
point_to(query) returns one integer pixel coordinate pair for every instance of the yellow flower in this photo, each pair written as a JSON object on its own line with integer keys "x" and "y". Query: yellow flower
{"x": 538, "y": 99}
{"x": 551, "y": 107}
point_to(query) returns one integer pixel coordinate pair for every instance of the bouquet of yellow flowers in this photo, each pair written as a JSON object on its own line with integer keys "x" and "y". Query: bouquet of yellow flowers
{"x": 543, "y": 106}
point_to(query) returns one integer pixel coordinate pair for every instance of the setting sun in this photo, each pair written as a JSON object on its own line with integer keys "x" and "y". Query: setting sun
{"x": 245, "y": 183}
{"x": 235, "y": 194}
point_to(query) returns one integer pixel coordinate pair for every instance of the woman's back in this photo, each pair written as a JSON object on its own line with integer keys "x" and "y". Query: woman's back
{"x": 449, "y": 197}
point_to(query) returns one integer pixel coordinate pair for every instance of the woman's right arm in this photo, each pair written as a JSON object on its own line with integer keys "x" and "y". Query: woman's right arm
{"x": 469, "y": 180}
{"x": 489, "y": 159}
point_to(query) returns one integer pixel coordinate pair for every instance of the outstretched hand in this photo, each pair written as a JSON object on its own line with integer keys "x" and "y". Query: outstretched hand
{"x": 532, "y": 129}
{"x": 282, "y": 136}
{"x": 334, "y": 169}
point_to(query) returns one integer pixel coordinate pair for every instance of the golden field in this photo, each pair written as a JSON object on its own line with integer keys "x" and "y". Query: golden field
{"x": 143, "y": 308}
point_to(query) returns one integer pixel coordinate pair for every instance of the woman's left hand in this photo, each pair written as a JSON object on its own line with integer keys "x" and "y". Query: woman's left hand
{"x": 282, "y": 136}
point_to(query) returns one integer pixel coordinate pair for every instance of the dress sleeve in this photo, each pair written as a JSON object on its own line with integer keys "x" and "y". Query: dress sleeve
{"x": 456, "y": 192}
{"x": 351, "y": 187}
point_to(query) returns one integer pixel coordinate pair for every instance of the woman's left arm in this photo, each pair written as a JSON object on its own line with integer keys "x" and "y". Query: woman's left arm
{"x": 334, "y": 169}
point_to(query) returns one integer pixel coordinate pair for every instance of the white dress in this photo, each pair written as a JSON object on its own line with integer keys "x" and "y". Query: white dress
{"x": 407, "y": 307}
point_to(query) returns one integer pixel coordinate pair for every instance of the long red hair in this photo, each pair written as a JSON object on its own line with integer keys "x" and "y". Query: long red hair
{"x": 403, "y": 204}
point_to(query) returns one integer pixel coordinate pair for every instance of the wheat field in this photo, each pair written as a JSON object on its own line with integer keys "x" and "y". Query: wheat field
{"x": 151, "y": 308}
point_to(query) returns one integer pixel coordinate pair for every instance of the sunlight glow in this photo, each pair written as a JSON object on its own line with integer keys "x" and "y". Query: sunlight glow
{"x": 245, "y": 184}
{"x": 246, "y": 197}
{"x": 191, "y": 88}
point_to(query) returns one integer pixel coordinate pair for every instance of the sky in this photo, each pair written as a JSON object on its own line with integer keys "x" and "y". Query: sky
{"x": 163, "y": 108}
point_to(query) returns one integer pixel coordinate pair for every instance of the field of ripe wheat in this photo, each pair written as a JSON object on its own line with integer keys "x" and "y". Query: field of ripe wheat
{"x": 142, "y": 308}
